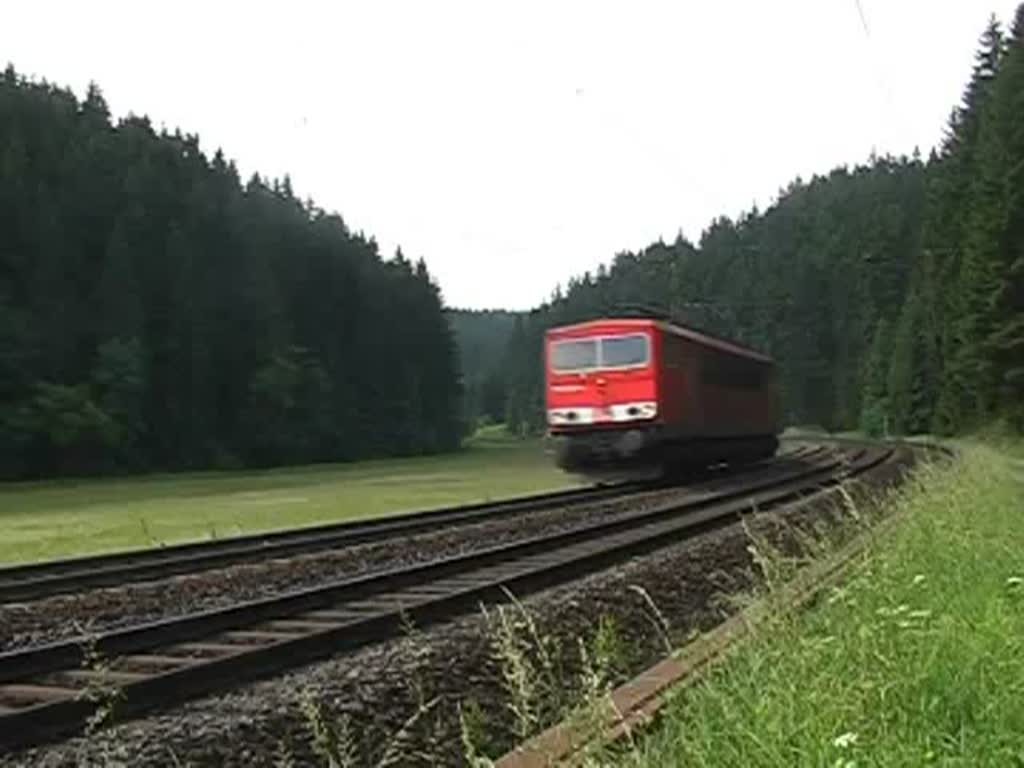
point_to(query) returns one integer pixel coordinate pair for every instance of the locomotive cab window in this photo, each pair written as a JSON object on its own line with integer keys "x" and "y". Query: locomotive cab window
{"x": 605, "y": 352}
{"x": 574, "y": 355}
{"x": 624, "y": 351}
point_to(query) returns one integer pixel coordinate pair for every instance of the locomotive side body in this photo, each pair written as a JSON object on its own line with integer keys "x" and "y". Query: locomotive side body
{"x": 628, "y": 392}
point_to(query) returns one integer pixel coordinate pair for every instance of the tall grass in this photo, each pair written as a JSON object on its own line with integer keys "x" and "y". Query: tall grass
{"x": 917, "y": 659}
{"x": 539, "y": 680}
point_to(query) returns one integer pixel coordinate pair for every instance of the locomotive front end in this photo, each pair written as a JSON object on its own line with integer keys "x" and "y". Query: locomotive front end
{"x": 602, "y": 393}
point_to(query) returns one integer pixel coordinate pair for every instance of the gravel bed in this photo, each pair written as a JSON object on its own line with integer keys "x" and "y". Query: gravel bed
{"x": 401, "y": 699}
{"x": 62, "y": 617}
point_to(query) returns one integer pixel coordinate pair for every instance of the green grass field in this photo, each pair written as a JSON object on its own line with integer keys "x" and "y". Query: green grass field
{"x": 47, "y": 520}
{"x": 917, "y": 660}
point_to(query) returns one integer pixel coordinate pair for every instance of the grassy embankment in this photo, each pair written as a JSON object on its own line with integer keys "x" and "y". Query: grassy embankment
{"x": 66, "y": 518}
{"x": 918, "y": 659}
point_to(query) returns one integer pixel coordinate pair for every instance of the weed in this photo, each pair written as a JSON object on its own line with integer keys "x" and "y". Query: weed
{"x": 401, "y": 746}
{"x": 104, "y": 698}
{"x": 537, "y": 684}
{"x": 283, "y": 756}
{"x": 599, "y": 664}
{"x": 654, "y": 616}
{"x": 335, "y": 743}
{"x": 473, "y": 732}
{"x": 527, "y": 664}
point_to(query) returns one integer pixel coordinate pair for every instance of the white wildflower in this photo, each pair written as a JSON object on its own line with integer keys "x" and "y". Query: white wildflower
{"x": 919, "y": 579}
{"x": 845, "y": 740}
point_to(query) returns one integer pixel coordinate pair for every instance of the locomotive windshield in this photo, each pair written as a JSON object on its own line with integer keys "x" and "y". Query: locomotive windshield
{"x": 605, "y": 352}
{"x": 574, "y": 355}
{"x": 621, "y": 351}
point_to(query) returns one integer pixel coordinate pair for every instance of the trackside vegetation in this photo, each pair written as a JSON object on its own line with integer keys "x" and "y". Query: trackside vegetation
{"x": 916, "y": 659}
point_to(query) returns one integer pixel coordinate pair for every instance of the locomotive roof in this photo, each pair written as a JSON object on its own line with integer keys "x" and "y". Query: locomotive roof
{"x": 692, "y": 334}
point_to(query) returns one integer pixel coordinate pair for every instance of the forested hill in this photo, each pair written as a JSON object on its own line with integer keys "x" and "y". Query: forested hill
{"x": 891, "y": 294}
{"x": 482, "y": 337}
{"x": 155, "y": 312}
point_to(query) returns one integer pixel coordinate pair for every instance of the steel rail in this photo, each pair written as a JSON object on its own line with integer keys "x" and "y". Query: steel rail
{"x": 42, "y": 689}
{"x": 34, "y": 581}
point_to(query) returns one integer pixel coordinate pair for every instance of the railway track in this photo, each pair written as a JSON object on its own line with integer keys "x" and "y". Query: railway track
{"x": 35, "y": 581}
{"x": 38, "y": 580}
{"x": 45, "y": 692}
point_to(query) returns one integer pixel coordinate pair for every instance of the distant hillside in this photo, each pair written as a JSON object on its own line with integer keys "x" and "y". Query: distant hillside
{"x": 482, "y": 337}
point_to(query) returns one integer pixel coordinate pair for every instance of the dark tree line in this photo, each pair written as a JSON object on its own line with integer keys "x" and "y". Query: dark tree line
{"x": 891, "y": 294}
{"x": 156, "y": 312}
{"x": 481, "y": 337}
{"x": 957, "y": 348}
{"x": 806, "y": 281}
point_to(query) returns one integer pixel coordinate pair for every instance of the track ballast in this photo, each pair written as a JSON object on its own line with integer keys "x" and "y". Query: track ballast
{"x": 41, "y": 689}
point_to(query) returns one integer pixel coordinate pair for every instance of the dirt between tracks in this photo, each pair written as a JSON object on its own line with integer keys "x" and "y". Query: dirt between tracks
{"x": 67, "y": 616}
{"x": 401, "y": 700}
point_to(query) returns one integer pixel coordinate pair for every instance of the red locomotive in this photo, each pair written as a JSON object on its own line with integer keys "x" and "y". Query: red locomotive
{"x": 652, "y": 393}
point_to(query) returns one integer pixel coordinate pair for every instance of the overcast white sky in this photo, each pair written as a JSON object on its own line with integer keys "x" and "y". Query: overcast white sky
{"x": 513, "y": 145}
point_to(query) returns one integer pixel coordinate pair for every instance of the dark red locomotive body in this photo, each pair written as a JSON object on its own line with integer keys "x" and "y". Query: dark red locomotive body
{"x": 644, "y": 391}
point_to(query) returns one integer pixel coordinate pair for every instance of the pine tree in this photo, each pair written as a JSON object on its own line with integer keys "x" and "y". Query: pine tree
{"x": 874, "y": 418}
{"x": 1002, "y": 241}
{"x": 962, "y": 203}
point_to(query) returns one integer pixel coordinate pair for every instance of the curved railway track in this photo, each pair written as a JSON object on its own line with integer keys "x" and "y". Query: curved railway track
{"x": 45, "y": 691}
{"x": 35, "y": 581}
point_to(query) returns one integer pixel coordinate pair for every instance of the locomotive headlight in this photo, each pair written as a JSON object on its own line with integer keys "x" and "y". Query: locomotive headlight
{"x": 646, "y": 410}
{"x": 567, "y": 416}
{"x": 642, "y": 411}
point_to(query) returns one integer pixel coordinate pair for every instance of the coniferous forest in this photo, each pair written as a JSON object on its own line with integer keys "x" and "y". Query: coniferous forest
{"x": 482, "y": 337}
{"x": 158, "y": 313}
{"x": 891, "y": 294}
